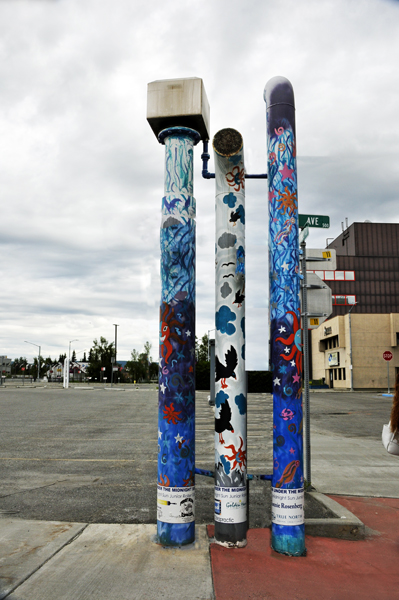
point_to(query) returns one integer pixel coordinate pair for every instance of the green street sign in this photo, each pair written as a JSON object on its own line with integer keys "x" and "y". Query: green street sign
{"x": 314, "y": 221}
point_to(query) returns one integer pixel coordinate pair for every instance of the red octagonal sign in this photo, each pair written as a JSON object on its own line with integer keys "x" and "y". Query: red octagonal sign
{"x": 387, "y": 355}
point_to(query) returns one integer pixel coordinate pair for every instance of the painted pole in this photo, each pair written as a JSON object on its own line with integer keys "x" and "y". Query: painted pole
{"x": 288, "y": 528}
{"x": 176, "y": 412}
{"x": 230, "y": 381}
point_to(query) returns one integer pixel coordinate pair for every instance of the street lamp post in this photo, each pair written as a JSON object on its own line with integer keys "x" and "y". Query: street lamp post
{"x": 113, "y": 362}
{"x": 69, "y": 357}
{"x": 38, "y": 359}
{"x": 209, "y": 331}
{"x": 350, "y": 345}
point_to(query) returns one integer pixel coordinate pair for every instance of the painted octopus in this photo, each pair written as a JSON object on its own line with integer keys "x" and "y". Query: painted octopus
{"x": 168, "y": 320}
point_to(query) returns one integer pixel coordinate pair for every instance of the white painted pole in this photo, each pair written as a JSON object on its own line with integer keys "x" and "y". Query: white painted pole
{"x": 230, "y": 382}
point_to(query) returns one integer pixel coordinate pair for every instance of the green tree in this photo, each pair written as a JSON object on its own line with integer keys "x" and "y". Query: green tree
{"x": 202, "y": 349}
{"x": 140, "y": 366}
{"x": 154, "y": 368}
{"x": 100, "y": 356}
{"x": 34, "y": 369}
{"x": 135, "y": 366}
{"x": 73, "y": 357}
{"x": 17, "y": 364}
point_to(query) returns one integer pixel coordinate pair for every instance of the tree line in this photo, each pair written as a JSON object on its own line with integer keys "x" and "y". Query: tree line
{"x": 101, "y": 361}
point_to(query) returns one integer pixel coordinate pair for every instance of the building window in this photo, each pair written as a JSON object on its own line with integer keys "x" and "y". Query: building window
{"x": 345, "y": 299}
{"x": 335, "y": 275}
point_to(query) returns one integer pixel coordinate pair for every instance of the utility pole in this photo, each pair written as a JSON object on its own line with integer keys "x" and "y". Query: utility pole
{"x": 113, "y": 363}
{"x": 350, "y": 346}
{"x": 38, "y": 358}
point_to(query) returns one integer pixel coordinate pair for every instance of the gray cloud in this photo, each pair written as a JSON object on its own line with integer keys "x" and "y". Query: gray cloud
{"x": 227, "y": 240}
{"x": 225, "y": 290}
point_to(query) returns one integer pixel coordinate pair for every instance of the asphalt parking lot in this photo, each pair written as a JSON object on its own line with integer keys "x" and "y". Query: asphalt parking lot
{"x": 90, "y": 455}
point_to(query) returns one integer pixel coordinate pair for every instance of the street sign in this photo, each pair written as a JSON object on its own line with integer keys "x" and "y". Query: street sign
{"x": 314, "y": 221}
{"x": 387, "y": 355}
{"x": 319, "y": 301}
{"x": 303, "y": 234}
{"x": 324, "y": 260}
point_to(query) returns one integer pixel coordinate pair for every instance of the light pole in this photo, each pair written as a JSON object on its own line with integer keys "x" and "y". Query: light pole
{"x": 209, "y": 331}
{"x": 350, "y": 346}
{"x": 69, "y": 355}
{"x": 38, "y": 359}
{"x": 69, "y": 359}
{"x": 114, "y": 362}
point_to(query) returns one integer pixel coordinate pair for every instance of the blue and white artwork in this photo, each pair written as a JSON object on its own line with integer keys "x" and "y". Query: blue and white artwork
{"x": 230, "y": 376}
{"x": 176, "y": 406}
{"x": 288, "y": 530}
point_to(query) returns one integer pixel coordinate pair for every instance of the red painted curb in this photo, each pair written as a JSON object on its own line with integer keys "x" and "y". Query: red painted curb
{"x": 332, "y": 570}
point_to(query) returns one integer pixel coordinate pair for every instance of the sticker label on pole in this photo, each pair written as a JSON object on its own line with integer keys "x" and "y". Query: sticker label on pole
{"x": 175, "y": 505}
{"x": 230, "y": 504}
{"x": 288, "y": 506}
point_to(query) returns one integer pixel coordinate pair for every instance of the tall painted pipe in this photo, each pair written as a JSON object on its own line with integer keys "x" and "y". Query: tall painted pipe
{"x": 176, "y": 406}
{"x": 288, "y": 528}
{"x": 230, "y": 381}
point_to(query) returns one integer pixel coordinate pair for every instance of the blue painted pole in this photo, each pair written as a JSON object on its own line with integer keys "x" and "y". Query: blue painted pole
{"x": 288, "y": 528}
{"x": 230, "y": 383}
{"x": 176, "y": 406}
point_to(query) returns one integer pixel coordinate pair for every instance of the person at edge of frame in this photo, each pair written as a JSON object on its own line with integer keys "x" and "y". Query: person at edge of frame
{"x": 394, "y": 422}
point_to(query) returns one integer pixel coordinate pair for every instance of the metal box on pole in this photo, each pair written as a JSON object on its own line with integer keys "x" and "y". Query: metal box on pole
{"x": 178, "y": 102}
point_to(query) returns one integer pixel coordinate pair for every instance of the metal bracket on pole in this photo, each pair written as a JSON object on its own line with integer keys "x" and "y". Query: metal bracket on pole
{"x": 205, "y": 156}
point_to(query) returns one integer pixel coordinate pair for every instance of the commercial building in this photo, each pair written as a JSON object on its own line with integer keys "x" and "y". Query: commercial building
{"x": 365, "y": 318}
{"x": 367, "y": 337}
{"x": 5, "y": 365}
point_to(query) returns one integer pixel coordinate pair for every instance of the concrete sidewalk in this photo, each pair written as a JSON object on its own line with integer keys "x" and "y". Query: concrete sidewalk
{"x": 72, "y": 561}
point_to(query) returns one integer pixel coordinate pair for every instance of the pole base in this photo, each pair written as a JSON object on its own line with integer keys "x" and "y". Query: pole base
{"x": 289, "y": 540}
{"x": 175, "y": 535}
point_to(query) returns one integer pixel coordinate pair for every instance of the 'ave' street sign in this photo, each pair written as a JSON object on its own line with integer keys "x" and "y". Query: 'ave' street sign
{"x": 314, "y": 221}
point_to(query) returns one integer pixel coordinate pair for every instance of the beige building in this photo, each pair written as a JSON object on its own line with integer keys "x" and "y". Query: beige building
{"x": 369, "y": 336}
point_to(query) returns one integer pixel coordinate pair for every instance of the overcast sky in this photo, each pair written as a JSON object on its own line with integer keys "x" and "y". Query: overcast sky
{"x": 81, "y": 173}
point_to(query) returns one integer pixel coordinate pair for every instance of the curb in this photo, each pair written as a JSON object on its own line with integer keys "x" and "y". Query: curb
{"x": 345, "y": 525}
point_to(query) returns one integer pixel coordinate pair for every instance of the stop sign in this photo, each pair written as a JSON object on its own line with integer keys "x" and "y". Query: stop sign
{"x": 387, "y": 355}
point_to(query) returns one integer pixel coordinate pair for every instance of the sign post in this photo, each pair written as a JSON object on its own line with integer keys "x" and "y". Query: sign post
{"x": 387, "y": 356}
